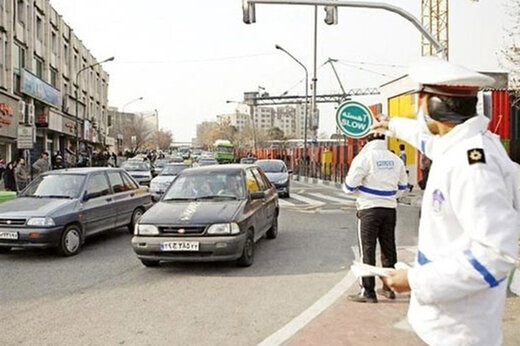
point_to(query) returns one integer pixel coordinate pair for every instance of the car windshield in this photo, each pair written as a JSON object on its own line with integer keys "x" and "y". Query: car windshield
{"x": 173, "y": 169}
{"x": 55, "y": 186}
{"x": 208, "y": 185}
{"x": 224, "y": 149}
{"x": 272, "y": 166}
{"x": 135, "y": 166}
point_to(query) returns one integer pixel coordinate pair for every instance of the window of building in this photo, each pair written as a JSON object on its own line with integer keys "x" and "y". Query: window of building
{"x": 20, "y": 11}
{"x": 54, "y": 78}
{"x": 38, "y": 67}
{"x": 39, "y": 29}
{"x": 3, "y": 52}
{"x": 18, "y": 65}
{"x": 66, "y": 53}
{"x": 54, "y": 43}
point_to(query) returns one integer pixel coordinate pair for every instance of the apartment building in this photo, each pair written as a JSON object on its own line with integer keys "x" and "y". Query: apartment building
{"x": 46, "y": 83}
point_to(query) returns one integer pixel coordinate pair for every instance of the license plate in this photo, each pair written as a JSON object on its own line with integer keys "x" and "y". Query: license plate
{"x": 8, "y": 235}
{"x": 180, "y": 246}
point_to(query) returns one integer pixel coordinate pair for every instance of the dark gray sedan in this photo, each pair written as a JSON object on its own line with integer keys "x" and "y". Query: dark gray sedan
{"x": 61, "y": 208}
{"x": 213, "y": 213}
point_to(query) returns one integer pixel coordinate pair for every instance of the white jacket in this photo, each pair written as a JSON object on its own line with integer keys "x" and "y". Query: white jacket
{"x": 468, "y": 234}
{"x": 377, "y": 176}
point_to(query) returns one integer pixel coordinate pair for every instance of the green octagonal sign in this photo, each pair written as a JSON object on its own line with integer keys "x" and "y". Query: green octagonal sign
{"x": 354, "y": 119}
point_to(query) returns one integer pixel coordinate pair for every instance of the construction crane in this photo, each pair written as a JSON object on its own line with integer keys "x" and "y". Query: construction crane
{"x": 435, "y": 18}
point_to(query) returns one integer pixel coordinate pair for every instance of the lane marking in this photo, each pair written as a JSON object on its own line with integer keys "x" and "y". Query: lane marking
{"x": 285, "y": 203}
{"x": 307, "y": 200}
{"x": 300, "y": 321}
{"x": 331, "y": 198}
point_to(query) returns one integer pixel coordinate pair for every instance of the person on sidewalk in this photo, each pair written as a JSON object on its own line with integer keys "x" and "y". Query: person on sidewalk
{"x": 41, "y": 165}
{"x": 21, "y": 174}
{"x": 8, "y": 176}
{"x": 468, "y": 232}
{"x": 378, "y": 177}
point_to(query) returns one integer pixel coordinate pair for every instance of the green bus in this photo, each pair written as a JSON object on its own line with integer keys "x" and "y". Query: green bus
{"x": 223, "y": 151}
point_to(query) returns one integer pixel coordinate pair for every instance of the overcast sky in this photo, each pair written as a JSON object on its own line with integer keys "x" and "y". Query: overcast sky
{"x": 186, "y": 58}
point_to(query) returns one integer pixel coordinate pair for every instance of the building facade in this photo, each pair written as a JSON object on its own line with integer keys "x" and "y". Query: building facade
{"x": 41, "y": 86}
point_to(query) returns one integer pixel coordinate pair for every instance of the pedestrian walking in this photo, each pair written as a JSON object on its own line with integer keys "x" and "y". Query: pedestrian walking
{"x": 402, "y": 153}
{"x": 41, "y": 165}
{"x": 21, "y": 174}
{"x": 378, "y": 177}
{"x": 58, "y": 163}
{"x": 8, "y": 176}
{"x": 468, "y": 233}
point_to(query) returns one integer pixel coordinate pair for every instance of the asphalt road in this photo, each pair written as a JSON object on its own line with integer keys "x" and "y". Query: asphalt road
{"x": 105, "y": 296}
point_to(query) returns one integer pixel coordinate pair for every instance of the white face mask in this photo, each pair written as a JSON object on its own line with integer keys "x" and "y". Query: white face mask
{"x": 423, "y": 119}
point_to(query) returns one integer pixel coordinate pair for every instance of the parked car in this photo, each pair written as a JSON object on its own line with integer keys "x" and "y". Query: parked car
{"x": 160, "y": 183}
{"x": 177, "y": 159}
{"x": 139, "y": 170}
{"x": 59, "y": 209}
{"x": 278, "y": 175}
{"x": 213, "y": 213}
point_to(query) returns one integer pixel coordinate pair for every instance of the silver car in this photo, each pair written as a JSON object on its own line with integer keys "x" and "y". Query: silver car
{"x": 161, "y": 183}
{"x": 59, "y": 209}
{"x": 139, "y": 170}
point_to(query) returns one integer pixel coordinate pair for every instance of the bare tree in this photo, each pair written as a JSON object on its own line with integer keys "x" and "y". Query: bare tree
{"x": 163, "y": 139}
{"x": 139, "y": 130}
{"x": 511, "y": 51}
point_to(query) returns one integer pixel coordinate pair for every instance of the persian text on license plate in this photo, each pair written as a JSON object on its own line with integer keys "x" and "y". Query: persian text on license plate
{"x": 180, "y": 246}
{"x": 8, "y": 235}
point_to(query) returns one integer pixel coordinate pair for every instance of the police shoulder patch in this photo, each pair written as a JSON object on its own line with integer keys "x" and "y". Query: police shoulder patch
{"x": 476, "y": 156}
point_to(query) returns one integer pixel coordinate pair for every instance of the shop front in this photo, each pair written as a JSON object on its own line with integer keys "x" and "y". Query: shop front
{"x": 8, "y": 124}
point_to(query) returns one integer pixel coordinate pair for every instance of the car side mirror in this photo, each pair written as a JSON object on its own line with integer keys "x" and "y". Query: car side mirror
{"x": 258, "y": 195}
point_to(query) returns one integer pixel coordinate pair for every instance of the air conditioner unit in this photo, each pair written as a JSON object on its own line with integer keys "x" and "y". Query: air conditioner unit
{"x": 30, "y": 114}
{"x": 21, "y": 112}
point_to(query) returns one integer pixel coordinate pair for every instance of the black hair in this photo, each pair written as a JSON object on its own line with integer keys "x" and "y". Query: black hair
{"x": 466, "y": 106}
{"x": 373, "y": 136}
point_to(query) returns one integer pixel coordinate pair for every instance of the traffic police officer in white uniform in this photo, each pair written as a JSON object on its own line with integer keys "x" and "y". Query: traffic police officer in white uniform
{"x": 378, "y": 177}
{"x": 468, "y": 233}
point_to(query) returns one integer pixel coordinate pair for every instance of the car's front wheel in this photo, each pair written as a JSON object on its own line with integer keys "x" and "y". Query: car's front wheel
{"x": 70, "y": 243}
{"x": 150, "y": 263}
{"x": 5, "y": 249}
{"x": 272, "y": 233}
{"x": 248, "y": 253}
{"x": 135, "y": 218}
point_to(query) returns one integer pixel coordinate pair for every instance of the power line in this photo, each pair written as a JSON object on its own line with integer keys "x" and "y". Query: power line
{"x": 367, "y": 70}
{"x": 152, "y": 62}
{"x": 373, "y": 63}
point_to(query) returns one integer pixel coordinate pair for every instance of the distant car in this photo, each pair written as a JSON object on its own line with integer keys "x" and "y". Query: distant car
{"x": 161, "y": 183}
{"x": 278, "y": 175}
{"x": 177, "y": 159}
{"x": 213, "y": 213}
{"x": 59, "y": 209}
{"x": 247, "y": 160}
{"x": 139, "y": 170}
{"x": 158, "y": 166}
{"x": 206, "y": 162}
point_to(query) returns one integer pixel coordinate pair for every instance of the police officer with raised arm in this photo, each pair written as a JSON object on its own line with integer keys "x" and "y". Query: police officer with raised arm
{"x": 377, "y": 177}
{"x": 468, "y": 233}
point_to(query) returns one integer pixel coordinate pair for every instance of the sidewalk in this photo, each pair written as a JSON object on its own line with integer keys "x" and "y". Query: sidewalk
{"x": 348, "y": 323}
{"x": 384, "y": 323}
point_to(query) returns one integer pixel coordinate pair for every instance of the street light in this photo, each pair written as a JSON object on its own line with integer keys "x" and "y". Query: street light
{"x": 130, "y": 102}
{"x": 306, "y": 100}
{"x": 77, "y": 100}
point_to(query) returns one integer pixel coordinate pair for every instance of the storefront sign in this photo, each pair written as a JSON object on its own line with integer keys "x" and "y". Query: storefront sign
{"x": 8, "y": 107}
{"x": 42, "y": 117}
{"x": 6, "y": 113}
{"x": 87, "y": 131}
{"x": 25, "y": 137}
{"x": 69, "y": 126}
{"x": 40, "y": 90}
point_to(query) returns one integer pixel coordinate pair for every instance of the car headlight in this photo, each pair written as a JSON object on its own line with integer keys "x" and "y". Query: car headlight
{"x": 146, "y": 230}
{"x": 41, "y": 222}
{"x": 224, "y": 228}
